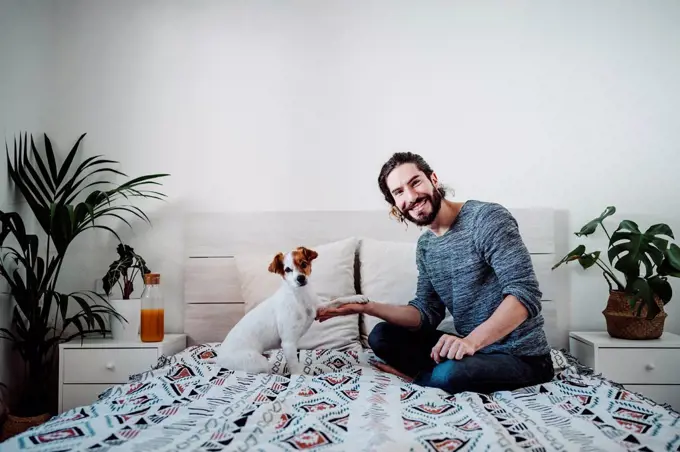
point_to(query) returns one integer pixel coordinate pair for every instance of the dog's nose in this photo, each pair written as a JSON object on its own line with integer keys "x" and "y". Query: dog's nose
{"x": 301, "y": 279}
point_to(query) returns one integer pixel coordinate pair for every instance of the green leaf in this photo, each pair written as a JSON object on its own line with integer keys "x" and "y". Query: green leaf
{"x": 7, "y": 335}
{"x": 78, "y": 325}
{"x": 38, "y": 182}
{"x": 72, "y": 191}
{"x": 43, "y": 169}
{"x": 90, "y": 161}
{"x": 62, "y": 302}
{"x": 106, "y": 228}
{"x": 630, "y": 249}
{"x": 660, "y": 229}
{"x": 591, "y": 226}
{"x": 640, "y": 290}
{"x": 661, "y": 287}
{"x": 573, "y": 255}
{"x": 671, "y": 262}
{"x": 49, "y": 152}
{"x": 100, "y": 322}
{"x": 85, "y": 306}
{"x": 588, "y": 260}
{"x": 69, "y": 159}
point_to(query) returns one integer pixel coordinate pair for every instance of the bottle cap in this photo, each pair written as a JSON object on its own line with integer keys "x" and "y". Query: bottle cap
{"x": 152, "y": 278}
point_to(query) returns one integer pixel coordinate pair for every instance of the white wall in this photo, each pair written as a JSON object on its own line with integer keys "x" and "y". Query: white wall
{"x": 25, "y": 53}
{"x": 251, "y": 106}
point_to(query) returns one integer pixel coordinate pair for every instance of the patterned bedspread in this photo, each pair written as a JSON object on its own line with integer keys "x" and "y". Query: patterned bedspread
{"x": 343, "y": 403}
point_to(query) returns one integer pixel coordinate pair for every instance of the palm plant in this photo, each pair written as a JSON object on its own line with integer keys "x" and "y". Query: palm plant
{"x": 65, "y": 203}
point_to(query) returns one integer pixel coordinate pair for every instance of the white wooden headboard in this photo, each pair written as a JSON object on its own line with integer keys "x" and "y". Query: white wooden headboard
{"x": 212, "y": 295}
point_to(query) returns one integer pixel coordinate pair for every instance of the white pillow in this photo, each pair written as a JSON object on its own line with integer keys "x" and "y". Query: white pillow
{"x": 389, "y": 274}
{"x": 332, "y": 276}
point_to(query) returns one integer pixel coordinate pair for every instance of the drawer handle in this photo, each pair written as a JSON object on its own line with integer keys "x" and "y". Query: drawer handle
{"x": 650, "y": 367}
{"x": 110, "y": 366}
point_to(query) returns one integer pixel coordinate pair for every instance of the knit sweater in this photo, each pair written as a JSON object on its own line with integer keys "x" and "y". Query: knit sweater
{"x": 471, "y": 268}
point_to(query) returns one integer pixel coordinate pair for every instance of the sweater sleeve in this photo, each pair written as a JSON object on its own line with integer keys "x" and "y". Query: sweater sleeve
{"x": 427, "y": 301}
{"x": 498, "y": 240}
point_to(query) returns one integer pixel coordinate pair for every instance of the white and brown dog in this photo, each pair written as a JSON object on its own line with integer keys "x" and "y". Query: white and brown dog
{"x": 280, "y": 320}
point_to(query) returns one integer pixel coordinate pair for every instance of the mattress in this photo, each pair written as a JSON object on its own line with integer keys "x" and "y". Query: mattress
{"x": 342, "y": 403}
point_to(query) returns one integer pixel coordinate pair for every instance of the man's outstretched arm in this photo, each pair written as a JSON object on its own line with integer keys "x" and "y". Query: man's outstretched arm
{"x": 405, "y": 316}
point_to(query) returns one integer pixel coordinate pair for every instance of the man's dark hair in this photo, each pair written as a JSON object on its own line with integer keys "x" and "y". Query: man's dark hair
{"x": 401, "y": 158}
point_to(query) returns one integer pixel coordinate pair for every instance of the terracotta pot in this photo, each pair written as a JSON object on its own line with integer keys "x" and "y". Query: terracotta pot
{"x": 17, "y": 424}
{"x": 622, "y": 322}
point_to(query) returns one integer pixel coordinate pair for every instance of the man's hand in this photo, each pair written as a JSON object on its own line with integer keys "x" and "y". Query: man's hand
{"x": 324, "y": 313}
{"x": 452, "y": 347}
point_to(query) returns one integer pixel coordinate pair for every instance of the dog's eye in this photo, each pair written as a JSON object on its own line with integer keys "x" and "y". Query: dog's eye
{"x": 303, "y": 265}
{"x": 288, "y": 270}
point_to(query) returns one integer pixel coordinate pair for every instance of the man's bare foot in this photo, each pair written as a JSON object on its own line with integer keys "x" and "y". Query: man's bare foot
{"x": 391, "y": 370}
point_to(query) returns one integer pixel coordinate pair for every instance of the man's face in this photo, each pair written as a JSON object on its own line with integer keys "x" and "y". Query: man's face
{"x": 414, "y": 194}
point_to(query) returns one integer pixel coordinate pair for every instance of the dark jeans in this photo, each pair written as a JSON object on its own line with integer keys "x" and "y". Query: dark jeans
{"x": 409, "y": 352}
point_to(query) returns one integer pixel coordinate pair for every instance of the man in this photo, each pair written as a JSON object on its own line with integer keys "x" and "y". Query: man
{"x": 472, "y": 261}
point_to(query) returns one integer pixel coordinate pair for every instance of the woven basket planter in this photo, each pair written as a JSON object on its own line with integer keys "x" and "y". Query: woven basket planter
{"x": 622, "y": 322}
{"x": 15, "y": 424}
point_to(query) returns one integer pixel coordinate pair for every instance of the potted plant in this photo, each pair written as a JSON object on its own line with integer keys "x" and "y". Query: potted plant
{"x": 635, "y": 308}
{"x": 65, "y": 203}
{"x": 122, "y": 273}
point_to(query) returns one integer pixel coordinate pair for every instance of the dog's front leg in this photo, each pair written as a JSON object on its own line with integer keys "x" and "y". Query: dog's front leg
{"x": 290, "y": 352}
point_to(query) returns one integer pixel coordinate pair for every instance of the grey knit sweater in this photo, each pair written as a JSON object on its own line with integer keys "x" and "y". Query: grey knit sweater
{"x": 471, "y": 268}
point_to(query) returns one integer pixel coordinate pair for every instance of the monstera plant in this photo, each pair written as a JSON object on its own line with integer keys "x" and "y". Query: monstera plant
{"x": 66, "y": 202}
{"x": 645, "y": 260}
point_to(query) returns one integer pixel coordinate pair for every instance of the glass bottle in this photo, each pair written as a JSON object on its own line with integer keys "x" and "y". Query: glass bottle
{"x": 153, "y": 309}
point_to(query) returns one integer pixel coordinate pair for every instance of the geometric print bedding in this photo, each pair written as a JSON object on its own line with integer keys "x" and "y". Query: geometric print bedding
{"x": 342, "y": 403}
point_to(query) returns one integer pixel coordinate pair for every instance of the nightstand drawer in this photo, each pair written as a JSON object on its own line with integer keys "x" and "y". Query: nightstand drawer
{"x": 112, "y": 365}
{"x": 640, "y": 365}
{"x": 80, "y": 395}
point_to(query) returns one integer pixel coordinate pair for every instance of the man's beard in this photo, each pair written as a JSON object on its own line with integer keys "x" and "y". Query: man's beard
{"x": 435, "y": 202}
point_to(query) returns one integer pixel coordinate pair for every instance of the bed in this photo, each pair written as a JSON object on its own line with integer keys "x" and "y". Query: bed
{"x": 342, "y": 402}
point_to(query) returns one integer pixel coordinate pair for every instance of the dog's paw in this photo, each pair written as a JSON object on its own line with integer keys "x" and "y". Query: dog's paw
{"x": 340, "y": 301}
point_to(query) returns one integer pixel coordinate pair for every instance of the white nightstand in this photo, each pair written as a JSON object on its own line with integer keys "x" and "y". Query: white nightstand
{"x": 88, "y": 369}
{"x": 649, "y": 367}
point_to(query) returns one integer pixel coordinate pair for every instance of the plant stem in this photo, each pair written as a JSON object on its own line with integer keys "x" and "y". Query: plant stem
{"x": 609, "y": 269}
{"x": 611, "y": 275}
{"x": 54, "y": 284}
{"x": 608, "y": 282}
{"x": 605, "y": 231}
{"x": 134, "y": 274}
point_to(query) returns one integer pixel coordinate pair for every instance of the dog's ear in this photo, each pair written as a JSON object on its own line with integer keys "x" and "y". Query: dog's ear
{"x": 310, "y": 255}
{"x": 276, "y": 265}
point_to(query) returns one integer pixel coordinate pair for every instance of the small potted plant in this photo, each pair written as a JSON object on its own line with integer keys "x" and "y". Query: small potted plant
{"x": 635, "y": 308}
{"x": 122, "y": 273}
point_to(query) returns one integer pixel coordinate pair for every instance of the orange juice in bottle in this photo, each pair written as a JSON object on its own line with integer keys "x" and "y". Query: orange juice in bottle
{"x": 153, "y": 309}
